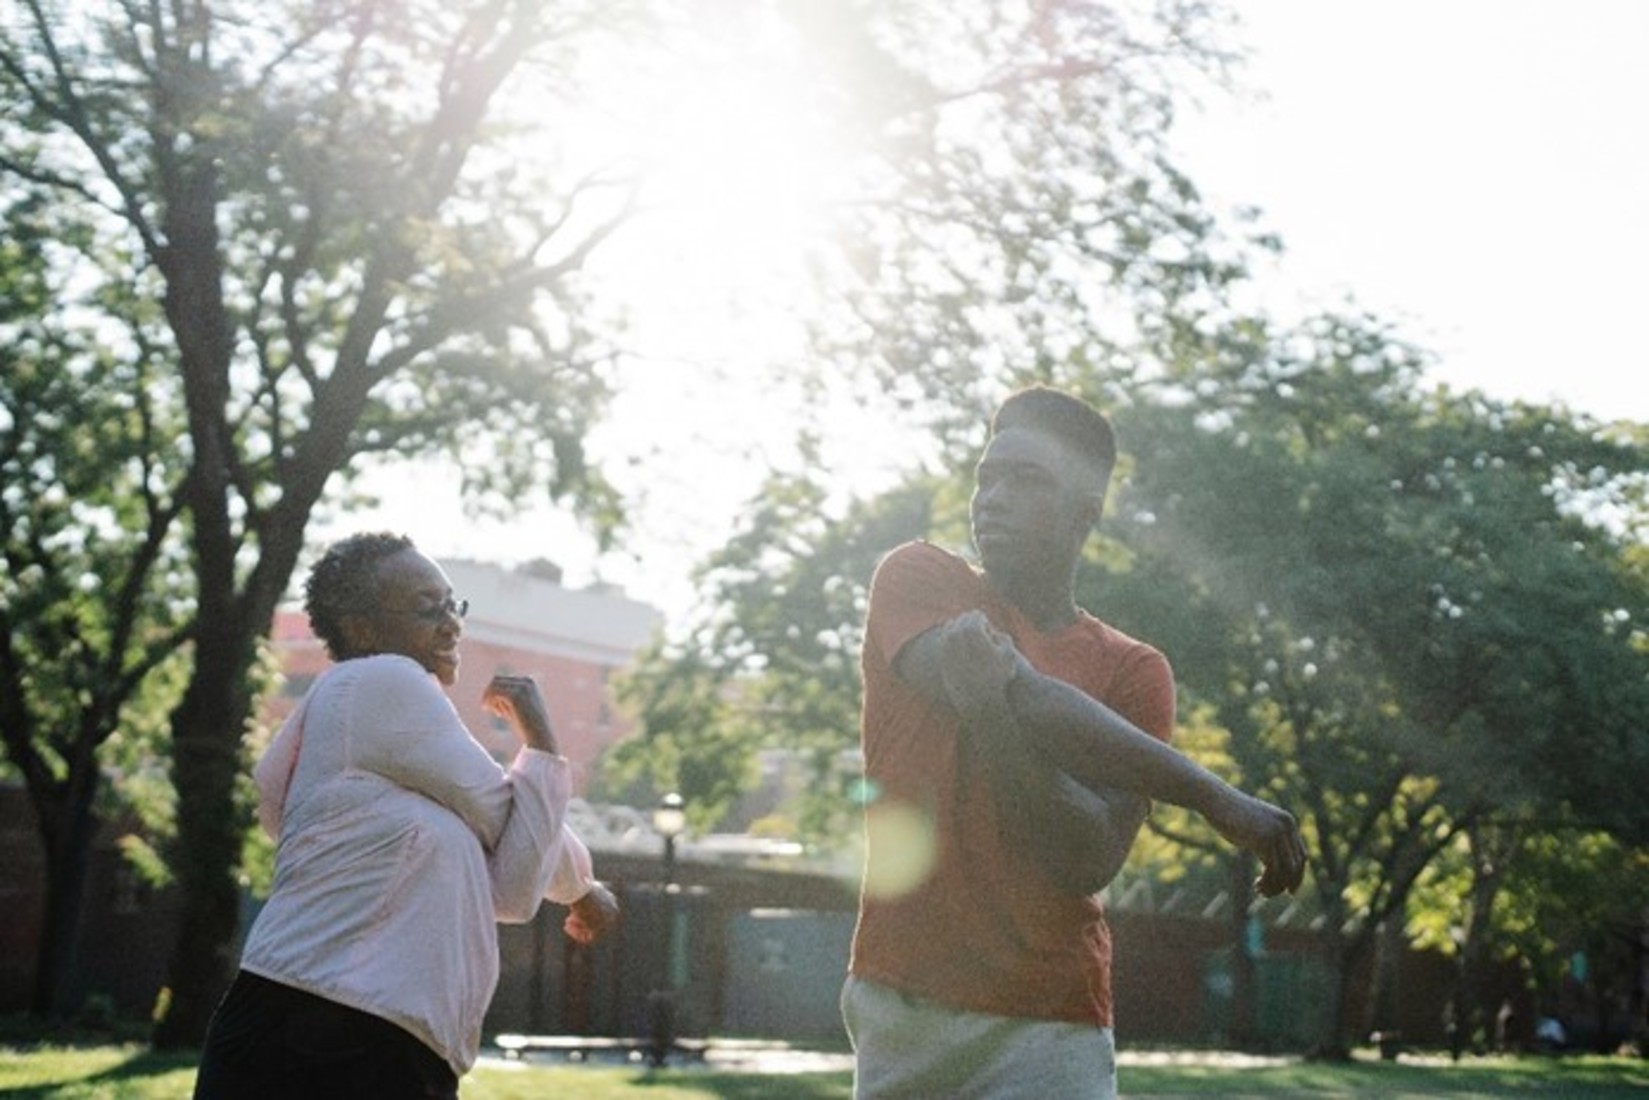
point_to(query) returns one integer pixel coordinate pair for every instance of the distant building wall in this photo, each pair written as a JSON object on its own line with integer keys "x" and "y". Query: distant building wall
{"x": 22, "y": 897}
{"x": 126, "y": 931}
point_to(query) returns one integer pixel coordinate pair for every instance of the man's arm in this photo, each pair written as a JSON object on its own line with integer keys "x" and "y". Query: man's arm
{"x": 1078, "y": 835}
{"x": 976, "y": 669}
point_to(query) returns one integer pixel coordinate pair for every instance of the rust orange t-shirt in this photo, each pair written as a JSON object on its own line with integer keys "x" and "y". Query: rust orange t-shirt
{"x": 946, "y": 911}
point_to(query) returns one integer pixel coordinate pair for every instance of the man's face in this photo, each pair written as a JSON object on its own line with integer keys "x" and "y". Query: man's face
{"x": 1034, "y": 502}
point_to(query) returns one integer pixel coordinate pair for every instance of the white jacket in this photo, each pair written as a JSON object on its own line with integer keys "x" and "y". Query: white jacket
{"x": 401, "y": 843}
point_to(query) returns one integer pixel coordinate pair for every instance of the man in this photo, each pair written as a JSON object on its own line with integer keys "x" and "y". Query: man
{"x": 1012, "y": 742}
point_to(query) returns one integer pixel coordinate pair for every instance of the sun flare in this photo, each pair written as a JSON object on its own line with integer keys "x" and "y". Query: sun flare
{"x": 735, "y": 177}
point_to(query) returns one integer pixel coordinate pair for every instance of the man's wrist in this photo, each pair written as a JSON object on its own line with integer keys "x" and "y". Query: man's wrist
{"x": 1210, "y": 795}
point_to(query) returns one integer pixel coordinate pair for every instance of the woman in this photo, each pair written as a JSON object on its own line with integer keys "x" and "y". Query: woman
{"x": 401, "y": 843}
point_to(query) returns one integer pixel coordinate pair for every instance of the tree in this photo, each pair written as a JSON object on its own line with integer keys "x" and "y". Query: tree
{"x": 284, "y": 243}
{"x": 1341, "y": 561}
{"x": 1008, "y": 207}
{"x": 1401, "y": 607}
{"x": 89, "y": 632}
{"x": 304, "y": 215}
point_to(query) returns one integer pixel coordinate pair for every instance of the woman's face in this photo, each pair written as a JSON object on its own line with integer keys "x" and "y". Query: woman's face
{"x": 415, "y": 615}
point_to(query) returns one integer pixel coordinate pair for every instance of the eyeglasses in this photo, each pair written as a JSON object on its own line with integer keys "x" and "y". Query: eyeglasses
{"x": 434, "y": 613}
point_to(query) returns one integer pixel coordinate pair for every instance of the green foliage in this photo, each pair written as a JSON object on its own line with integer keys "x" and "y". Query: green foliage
{"x": 691, "y": 740}
{"x": 1434, "y": 545}
{"x": 251, "y": 248}
{"x": 95, "y": 594}
{"x": 1389, "y": 608}
{"x": 1574, "y": 891}
{"x": 1404, "y": 605}
{"x": 776, "y": 667}
{"x": 1020, "y": 217}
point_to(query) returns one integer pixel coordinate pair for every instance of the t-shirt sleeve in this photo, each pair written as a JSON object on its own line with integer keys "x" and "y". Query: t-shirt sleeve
{"x": 1148, "y": 698}
{"x": 917, "y": 587}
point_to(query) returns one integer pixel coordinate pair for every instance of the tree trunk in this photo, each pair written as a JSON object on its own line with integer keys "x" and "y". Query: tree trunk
{"x": 1469, "y": 1027}
{"x": 1340, "y": 953}
{"x": 68, "y": 844}
{"x": 208, "y": 721}
{"x": 1385, "y": 992}
{"x": 1245, "y": 1030}
{"x": 1332, "y": 1045}
{"x": 206, "y": 734}
{"x": 1473, "y": 1016}
{"x": 1638, "y": 997}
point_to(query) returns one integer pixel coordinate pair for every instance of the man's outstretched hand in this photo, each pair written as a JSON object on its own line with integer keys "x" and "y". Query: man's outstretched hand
{"x": 1268, "y": 831}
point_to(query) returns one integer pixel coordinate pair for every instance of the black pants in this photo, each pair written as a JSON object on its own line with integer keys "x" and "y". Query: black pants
{"x": 268, "y": 1041}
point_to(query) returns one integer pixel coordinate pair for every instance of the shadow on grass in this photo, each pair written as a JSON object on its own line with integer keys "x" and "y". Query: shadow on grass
{"x": 761, "y": 1087}
{"x": 755, "y": 1086}
{"x": 132, "y": 1072}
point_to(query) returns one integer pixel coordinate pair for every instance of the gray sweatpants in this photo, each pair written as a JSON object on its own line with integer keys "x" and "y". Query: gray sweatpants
{"x": 910, "y": 1049}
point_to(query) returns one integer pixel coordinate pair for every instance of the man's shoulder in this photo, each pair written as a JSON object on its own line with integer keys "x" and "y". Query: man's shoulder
{"x": 1132, "y": 676}
{"x": 917, "y": 585}
{"x": 1119, "y": 644}
{"x": 920, "y": 555}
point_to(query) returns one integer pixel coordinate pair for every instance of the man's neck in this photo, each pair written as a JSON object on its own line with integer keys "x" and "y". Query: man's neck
{"x": 1049, "y": 604}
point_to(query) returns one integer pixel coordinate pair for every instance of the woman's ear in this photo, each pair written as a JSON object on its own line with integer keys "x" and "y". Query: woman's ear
{"x": 360, "y": 634}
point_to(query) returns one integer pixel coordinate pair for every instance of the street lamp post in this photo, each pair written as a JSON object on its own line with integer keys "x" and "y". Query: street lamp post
{"x": 669, "y": 821}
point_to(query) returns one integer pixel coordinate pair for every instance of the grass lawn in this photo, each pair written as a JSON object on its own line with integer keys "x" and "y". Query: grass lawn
{"x": 133, "y": 1073}
{"x": 1412, "y": 1078}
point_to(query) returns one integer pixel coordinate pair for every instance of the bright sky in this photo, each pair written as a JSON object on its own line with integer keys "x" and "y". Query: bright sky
{"x": 1478, "y": 169}
{"x": 1475, "y": 170}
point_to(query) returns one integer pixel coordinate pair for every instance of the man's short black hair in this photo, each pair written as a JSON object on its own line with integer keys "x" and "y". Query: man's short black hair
{"x": 1064, "y": 416}
{"x": 346, "y": 580}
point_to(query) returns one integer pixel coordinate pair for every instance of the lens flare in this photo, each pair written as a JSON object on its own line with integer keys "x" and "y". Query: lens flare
{"x": 901, "y": 848}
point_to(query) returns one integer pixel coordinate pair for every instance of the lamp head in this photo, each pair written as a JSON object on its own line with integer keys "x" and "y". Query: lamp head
{"x": 670, "y": 816}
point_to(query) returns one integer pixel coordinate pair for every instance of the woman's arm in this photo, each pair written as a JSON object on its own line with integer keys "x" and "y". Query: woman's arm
{"x": 592, "y": 908}
{"x": 411, "y": 734}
